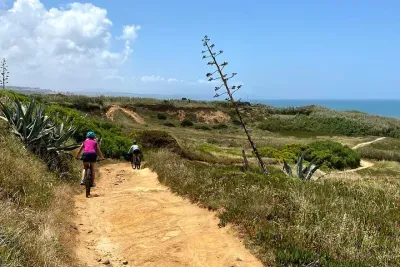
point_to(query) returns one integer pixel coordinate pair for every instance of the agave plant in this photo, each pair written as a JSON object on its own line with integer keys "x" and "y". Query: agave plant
{"x": 36, "y": 130}
{"x": 302, "y": 173}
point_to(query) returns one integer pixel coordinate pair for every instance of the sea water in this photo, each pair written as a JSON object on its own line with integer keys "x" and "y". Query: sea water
{"x": 388, "y": 108}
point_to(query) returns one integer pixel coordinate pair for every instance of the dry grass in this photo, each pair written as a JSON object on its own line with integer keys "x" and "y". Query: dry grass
{"x": 331, "y": 222}
{"x": 36, "y": 209}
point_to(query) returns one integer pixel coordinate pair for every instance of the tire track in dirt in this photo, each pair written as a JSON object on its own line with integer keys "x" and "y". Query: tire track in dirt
{"x": 136, "y": 221}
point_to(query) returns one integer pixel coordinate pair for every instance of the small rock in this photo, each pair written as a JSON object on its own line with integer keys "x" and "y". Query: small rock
{"x": 106, "y": 262}
{"x": 98, "y": 260}
{"x": 239, "y": 259}
{"x": 90, "y": 231}
{"x": 125, "y": 262}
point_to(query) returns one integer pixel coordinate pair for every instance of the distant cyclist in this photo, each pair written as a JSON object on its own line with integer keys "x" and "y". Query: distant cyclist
{"x": 90, "y": 149}
{"x": 134, "y": 150}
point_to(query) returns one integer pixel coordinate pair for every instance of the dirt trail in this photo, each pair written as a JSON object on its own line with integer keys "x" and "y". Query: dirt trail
{"x": 110, "y": 113}
{"x": 368, "y": 143}
{"x": 134, "y": 218}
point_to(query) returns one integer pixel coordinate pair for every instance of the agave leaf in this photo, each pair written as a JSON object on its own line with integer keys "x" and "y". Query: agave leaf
{"x": 307, "y": 170}
{"x": 300, "y": 166}
{"x": 314, "y": 170}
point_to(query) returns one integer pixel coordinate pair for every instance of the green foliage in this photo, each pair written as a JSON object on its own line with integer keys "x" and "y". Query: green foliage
{"x": 169, "y": 124}
{"x": 39, "y": 133}
{"x": 114, "y": 143}
{"x": 14, "y": 95}
{"x": 334, "y": 155}
{"x": 330, "y": 122}
{"x": 220, "y": 126}
{"x": 269, "y": 152}
{"x": 187, "y": 123}
{"x": 158, "y": 139}
{"x": 161, "y": 116}
{"x": 236, "y": 122}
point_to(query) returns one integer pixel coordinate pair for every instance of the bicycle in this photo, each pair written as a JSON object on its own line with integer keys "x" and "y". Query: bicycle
{"x": 136, "y": 161}
{"x": 87, "y": 180}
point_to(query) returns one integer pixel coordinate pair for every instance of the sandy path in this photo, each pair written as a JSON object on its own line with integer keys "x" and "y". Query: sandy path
{"x": 135, "y": 219}
{"x": 110, "y": 114}
{"x": 368, "y": 143}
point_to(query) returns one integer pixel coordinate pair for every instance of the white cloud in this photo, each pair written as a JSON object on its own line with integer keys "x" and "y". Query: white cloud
{"x": 152, "y": 78}
{"x": 60, "y": 46}
{"x": 130, "y": 32}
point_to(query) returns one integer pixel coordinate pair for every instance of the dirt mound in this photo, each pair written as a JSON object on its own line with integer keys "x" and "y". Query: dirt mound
{"x": 110, "y": 114}
{"x": 212, "y": 117}
{"x": 136, "y": 221}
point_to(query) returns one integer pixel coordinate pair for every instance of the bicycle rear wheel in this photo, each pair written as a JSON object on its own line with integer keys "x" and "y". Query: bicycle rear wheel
{"x": 87, "y": 181}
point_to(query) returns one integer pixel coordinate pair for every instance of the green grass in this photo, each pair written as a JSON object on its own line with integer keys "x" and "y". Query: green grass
{"x": 35, "y": 209}
{"x": 289, "y": 222}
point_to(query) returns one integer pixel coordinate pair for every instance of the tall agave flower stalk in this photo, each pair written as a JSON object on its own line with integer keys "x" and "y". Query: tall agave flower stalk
{"x": 228, "y": 90}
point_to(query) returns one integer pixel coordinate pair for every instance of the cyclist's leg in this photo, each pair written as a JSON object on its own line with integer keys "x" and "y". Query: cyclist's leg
{"x": 85, "y": 167}
{"x": 92, "y": 172}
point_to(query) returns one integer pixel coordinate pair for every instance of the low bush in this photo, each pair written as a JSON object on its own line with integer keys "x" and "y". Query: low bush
{"x": 187, "y": 123}
{"x": 333, "y": 154}
{"x": 153, "y": 139}
{"x": 169, "y": 124}
{"x": 220, "y": 126}
{"x": 161, "y": 116}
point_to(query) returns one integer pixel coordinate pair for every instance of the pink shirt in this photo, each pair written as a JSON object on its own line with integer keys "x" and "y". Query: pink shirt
{"x": 89, "y": 146}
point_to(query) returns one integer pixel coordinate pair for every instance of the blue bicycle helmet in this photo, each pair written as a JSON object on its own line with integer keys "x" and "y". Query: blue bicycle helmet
{"x": 90, "y": 135}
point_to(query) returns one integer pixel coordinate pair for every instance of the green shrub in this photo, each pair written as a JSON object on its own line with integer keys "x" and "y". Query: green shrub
{"x": 161, "y": 116}
{"x": 14, "y": 95}
{"x": 114, "y": 143}
{"x": 269, "y": 152}
{"x": 158, "y": 139}
{"x": 169, "y": 124}
{"x": 220, "y": 126}
{"x": 334, "y": 155}
{"x": 236, "y": 122}
{"x": 187, "y": 123}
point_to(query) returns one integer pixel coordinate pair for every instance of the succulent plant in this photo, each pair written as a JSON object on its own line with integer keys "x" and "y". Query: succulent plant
{"x": 36, "y": 130}
{"x": 302, "y": 173}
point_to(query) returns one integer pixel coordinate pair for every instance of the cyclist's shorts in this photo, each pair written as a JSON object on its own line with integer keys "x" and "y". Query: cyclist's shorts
{"x": 136, "y": 152}
{"x": 89, "y": 157}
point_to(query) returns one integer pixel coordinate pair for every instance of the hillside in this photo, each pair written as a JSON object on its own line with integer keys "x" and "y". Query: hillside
{"x": 36, "y": 211}
{"x": 195, "y": 147}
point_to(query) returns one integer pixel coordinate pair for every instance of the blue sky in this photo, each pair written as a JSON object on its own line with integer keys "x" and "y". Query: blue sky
{"x": 285, "y": 49}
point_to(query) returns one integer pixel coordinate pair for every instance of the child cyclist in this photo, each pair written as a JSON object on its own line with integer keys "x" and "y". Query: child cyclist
{"x": 90, "y": 149}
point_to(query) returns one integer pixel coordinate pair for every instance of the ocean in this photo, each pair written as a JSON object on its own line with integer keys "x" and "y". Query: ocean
{"x": 387, "y": 108}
